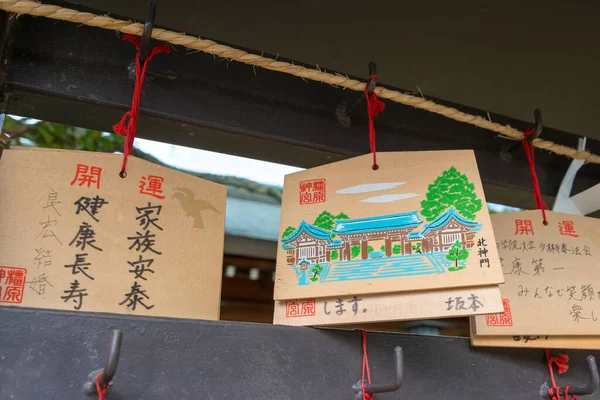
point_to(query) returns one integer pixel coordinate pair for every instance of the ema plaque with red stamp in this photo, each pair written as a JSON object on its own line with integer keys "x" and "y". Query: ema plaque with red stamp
{"x": 504, "y": 319}
{"x": 12, "y": 284}
{"x": 312, "y": 191}
{"x": 300, "y": 308}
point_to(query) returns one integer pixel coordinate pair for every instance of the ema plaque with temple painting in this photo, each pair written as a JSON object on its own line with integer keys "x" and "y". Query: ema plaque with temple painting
{"x": 418, "y": 222}
{"x": 76, "y": 236}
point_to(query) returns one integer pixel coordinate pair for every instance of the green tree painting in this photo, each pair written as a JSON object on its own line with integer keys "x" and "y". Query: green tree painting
{"x": 355, "y": 250}
{"x": 382, "y": 248}
{"x": 326, "y": 220}
{"x": 456, "y": 253}
{"x": 396, "y": 249}
{"x": 288, "y": 231}
{"x": 334, "y": 255}
{"x": 416, "y": 248}
{"x": 370, "y": 249}
{"x": 451, "y": 189}
{"x": 316, "y": 271}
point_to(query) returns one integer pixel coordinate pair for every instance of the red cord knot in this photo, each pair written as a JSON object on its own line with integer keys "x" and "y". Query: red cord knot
{"x": 127, "y": 126}
{"x": 374, "y": 107}
{"x": 101, "y": 390}
{"x": 366, "y": 371}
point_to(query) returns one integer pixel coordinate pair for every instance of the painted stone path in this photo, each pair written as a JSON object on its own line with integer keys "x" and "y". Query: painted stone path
{"x": 416, "y": 264}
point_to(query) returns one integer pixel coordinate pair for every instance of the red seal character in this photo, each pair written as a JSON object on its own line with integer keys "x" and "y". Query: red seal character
{"x": 12, "y": 284}
{"x": 313, "y": 191}
{"x": 504, "y": 319}
{"x": 300, "y": 308}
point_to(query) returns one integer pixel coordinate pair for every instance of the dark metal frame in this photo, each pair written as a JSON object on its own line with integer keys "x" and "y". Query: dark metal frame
{"x": 48, "y": 354}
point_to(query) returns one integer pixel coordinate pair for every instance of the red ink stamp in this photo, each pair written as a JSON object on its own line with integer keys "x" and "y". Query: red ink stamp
{"x": 86, "y": 175}
{"x": 12, "y": 284}
{"x": 312, "y": 191}
{"x": 300, "y": 308}
{"x": 504, "y": 319}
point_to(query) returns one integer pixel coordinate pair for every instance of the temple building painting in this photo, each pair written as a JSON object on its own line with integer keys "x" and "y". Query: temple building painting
{"x": 403, "y": 237}
{"x": 308, "y": 243}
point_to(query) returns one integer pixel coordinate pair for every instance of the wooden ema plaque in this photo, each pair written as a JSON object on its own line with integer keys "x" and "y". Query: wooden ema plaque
{"x": 76, "y": 236}
{"x": 419, "y": 222}
{"x": 353, "y": 309}
{"x": 552, "y": 275}
{"x": 534, "y": 341}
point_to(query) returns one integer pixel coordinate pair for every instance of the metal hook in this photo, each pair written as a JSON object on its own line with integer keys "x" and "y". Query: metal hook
{"x": 111, "y": 364}
{"x": 372, "y": 83}
{"x": 147, "y": 35}
{"x": 588, "y": 389}
{"x": 398, "y": 377}
{"x": 539, "y": 127}
{"x": 344, "y": 111}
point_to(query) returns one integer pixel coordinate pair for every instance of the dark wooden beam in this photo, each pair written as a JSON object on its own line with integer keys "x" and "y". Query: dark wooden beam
{"x": 78, "y": 75}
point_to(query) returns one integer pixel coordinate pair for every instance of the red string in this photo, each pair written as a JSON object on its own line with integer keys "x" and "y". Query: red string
{"x": 562, "y": 366}
{"x": 529, "y": 152}
{"x": 374, "y": 107}
{"x": 101, "y": 390}
{"x": 365, "y": 368}
{"x": 128, "y": 124}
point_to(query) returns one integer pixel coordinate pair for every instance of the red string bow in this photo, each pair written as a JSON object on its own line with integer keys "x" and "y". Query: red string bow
{"x": 374, "y": 107}
{"x": 562, "y": 366}
{"x": 128, "y": 124}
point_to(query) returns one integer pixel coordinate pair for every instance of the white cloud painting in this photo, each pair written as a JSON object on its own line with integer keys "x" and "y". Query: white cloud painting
{"x": 388, "y": 198}
{"x": 370, "y": 187}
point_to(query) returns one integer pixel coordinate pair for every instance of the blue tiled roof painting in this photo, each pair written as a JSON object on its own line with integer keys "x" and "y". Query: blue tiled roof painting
{"x": 444, "y": 219}
{"x": 312, "y": 230}
{"x": 381, "y": 223}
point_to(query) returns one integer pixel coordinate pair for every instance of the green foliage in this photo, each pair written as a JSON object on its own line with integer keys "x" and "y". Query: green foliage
{"x": 370, "y": 249}
{"x": 396, "y": 249}
{"x": 355, "y": 250}
{"x": 456, "y": 253}
{"x": 326, "y": 220}
{"x": 335, "y": 254}
{"x": 451, "y": 189}
{"x": 316, "y": 271}
{"x": 288, "y": 231}
{"x": 57, "y": 136}
{"x": 382, "y": 248}
{"x": 417, "y": 248}
{"x": 341, "y": 216}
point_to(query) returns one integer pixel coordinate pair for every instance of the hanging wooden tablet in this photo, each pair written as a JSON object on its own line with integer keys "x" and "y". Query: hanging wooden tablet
{"x": 539, "y": 341}
{"x": 552, "y": 275}
{"x": 352, "y": 309}
{"x": 418, "y": 222}
{"x": 76, "y": 236}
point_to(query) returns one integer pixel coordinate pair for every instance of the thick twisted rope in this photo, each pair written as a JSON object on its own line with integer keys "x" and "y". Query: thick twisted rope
{"x": 210, "y": 47}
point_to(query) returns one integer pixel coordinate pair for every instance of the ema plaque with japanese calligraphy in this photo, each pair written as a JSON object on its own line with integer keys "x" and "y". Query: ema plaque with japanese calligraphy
{"x": 552, "y": 275}
{"x": 418, "y": 222}
{"x": 74, "y": 235}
